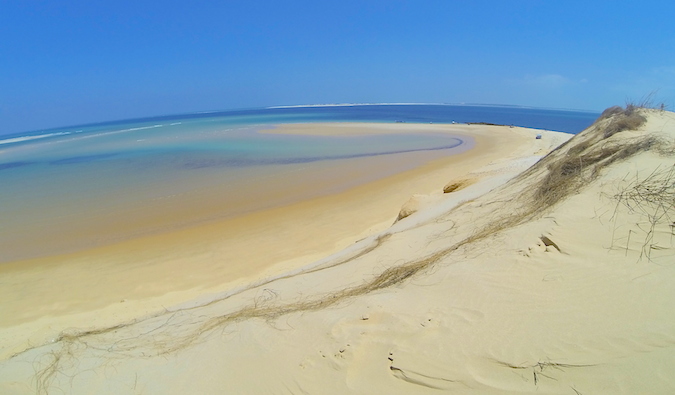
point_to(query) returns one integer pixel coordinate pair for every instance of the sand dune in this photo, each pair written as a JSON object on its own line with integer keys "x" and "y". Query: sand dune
{"x": 552, "y": 275}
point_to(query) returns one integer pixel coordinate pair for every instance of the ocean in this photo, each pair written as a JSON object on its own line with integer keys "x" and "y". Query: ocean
{"x": 66, "y": 189}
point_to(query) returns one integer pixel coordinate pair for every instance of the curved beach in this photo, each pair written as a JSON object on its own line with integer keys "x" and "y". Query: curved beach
{"x": 532, "y": 273}
{"x": 118, "y": 283}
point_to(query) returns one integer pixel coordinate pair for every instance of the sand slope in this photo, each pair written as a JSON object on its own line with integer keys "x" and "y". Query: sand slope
{"x": 558, "y": 281}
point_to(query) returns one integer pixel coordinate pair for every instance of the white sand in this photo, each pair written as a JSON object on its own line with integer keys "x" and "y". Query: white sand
{"x": 483, "y": 290}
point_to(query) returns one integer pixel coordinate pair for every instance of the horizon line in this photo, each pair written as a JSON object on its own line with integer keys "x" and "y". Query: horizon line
{"x": 150, "y": 117}
{"x": 427, "y": 104}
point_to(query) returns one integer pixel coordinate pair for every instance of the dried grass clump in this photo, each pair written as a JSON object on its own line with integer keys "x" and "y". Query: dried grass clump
{"x": 610, "y": 112}
{"x": 541, "y": 366}
{"x": 571, "y": 172}
{"x": 629, "y": 120}
{"x": 580, "y": 147}
{"x": 653, "y": 198}
{"x": 389, "y": 277}
{"x": 620, "y": 119}
{"x": 654, "y": 193}
{"x": 580, "y": 159}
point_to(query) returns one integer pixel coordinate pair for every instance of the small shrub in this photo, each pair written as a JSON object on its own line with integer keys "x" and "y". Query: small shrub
{"x": 621, "y": 119}
{"x": 626, "y": 122}
{"x": 611, "y": 111}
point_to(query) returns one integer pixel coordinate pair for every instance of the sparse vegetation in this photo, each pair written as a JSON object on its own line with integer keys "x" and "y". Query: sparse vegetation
{"x": 581, "y": 159}
{"x": 629, "y": 118}
{"x": 539, "y": 367}
{"x": 653, "y": 198}
{"x": 570, "y": 173}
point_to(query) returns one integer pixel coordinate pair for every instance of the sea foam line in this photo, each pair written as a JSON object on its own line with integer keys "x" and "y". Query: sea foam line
{"x": 27, "y": 138}
{"x": 42, "y": 136}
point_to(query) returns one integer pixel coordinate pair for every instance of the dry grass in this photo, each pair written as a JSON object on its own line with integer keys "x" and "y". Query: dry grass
{"x": 629, "y": 119}
{"x": 572, "y": 172}
{"x": 539, "y": 368}
{"x": 620, "y": 119}
{"x": 581, "y": 159}
{"x": 653, "y": 198}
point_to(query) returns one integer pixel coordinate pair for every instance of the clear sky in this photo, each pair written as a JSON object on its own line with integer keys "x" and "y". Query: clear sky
{"x": 73, "y": 62}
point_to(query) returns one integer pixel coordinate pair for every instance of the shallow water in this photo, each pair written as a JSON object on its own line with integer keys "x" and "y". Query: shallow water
{"x": 79, "y": 191}
{"x": 72, "y": 188}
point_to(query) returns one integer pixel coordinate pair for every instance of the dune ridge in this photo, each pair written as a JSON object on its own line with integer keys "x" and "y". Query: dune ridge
{"x": 557, "y": 279}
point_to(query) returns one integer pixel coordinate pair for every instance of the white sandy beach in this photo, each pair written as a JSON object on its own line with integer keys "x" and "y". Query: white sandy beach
{"x": 104, "y": 286}
{"x": 557, "y": 279}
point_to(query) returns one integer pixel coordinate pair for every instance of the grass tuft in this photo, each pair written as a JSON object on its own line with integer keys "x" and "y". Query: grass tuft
{"x": 610, "y": 112}
{"x": 568, "y": 174}
{"x": 629, "y": 120}
{"x": 621, "y": 119}
{"x": 653, "y": 198}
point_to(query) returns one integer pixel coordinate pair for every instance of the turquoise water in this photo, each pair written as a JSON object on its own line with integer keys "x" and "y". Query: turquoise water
{"x": 71, "y": 188}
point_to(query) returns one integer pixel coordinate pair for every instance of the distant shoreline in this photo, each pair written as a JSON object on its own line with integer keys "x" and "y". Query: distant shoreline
{"x": 432, "y": 104}
{"x": 229, "y": 112}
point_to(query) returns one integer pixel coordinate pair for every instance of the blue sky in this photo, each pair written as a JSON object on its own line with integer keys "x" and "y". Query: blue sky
{"x": 73, "y": 62}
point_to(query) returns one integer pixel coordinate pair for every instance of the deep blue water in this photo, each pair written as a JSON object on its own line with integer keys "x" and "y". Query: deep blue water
{"x": 567, "y": 121}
